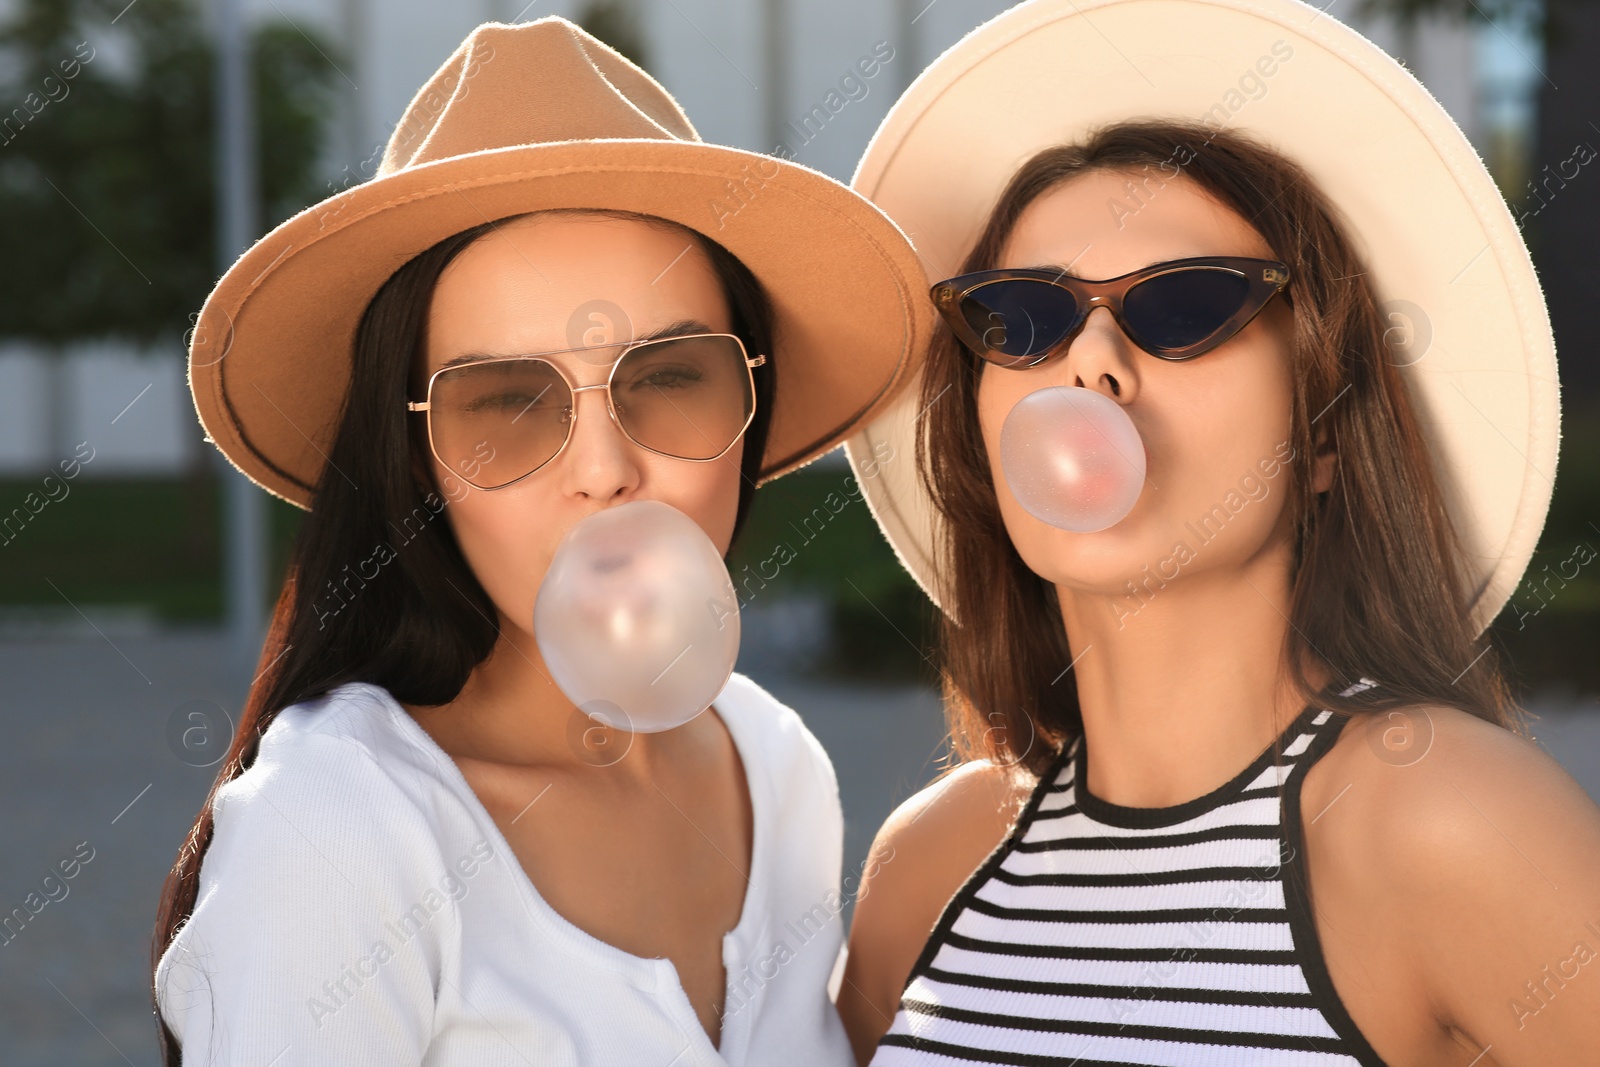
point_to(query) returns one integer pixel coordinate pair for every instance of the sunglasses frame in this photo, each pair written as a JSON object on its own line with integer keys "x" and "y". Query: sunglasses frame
{"x": 1267, "y": 278}
{"x": 425, "y": 406}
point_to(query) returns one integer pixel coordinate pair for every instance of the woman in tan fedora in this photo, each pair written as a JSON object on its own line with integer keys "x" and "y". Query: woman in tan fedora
{"x": 418, "y": 851}
{"x": 1241, "y": 779}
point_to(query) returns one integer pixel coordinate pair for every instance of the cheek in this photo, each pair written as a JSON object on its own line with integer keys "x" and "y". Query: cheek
{"x": 1209, "y": 446}
{"x": 509, "y": 536}
{"x": 506, "y": 545}
{"x": 996, "y": 396}
{"x": 998, "y": 392}
{"x": 706, "y": 492}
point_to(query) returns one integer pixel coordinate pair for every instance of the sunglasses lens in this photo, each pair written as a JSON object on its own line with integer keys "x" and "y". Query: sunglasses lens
{"x": 688, "y": 397}
{"x": 494, "y": 422}
{"x": 1019, "y": 318}
{"x": 1182, "y": 308}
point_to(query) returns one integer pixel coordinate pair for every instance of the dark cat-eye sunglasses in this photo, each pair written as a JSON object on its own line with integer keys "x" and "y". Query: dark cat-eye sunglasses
{"x": 1174, "y": 310}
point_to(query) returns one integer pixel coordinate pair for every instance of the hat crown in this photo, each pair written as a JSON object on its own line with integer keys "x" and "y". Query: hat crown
{"x": 531, "y": 83}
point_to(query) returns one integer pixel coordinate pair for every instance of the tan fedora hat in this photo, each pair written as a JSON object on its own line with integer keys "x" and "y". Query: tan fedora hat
{"x": 1444, "y": 254}
{"x": 543, "y": 115}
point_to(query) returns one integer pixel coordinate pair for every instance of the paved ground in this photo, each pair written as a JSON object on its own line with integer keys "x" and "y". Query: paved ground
{"x": 85, "y": 758}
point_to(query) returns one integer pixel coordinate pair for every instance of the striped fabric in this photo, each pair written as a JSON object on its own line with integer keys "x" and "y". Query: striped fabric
{"x": 1101, "y": 935}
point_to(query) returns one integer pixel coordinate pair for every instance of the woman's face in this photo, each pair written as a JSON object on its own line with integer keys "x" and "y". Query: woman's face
{"x": 547, "y": 283}
{"x": 1215, "y": 428}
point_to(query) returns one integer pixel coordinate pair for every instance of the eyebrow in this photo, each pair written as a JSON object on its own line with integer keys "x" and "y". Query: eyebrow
{"x": 679, "y": 328}
{"x": 1064, "y": 272}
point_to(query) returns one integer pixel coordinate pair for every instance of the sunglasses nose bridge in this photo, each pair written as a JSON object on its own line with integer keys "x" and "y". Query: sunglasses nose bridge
{"x": 1100, "y": 300}
{"x": 1086, "y": 307}
{"x": 572, "y": 433}
{"x": 611, "y": 410}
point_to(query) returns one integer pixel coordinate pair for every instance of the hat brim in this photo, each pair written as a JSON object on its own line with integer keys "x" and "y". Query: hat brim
{"x": 269, "y": 359}
{"x": 1445, "y": 256}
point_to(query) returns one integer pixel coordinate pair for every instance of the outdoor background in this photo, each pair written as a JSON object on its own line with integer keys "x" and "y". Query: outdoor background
{"x": 116, "y": 616}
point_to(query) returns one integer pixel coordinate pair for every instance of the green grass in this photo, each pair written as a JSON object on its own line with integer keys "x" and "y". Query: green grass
{"x": 1555, "y": 635}
{"x": 155, "y": 543}
{"x": 150, "y": 542}
{"x": 809, "y": 531}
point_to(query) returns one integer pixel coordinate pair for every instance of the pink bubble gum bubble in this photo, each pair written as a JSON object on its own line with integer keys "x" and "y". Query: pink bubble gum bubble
{"x": 1072, "y": 458}
{"x": 637, "y": 613}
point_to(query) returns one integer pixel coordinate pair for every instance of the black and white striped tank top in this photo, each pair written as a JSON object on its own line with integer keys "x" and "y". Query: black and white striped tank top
{"x": 1099, "y": 935}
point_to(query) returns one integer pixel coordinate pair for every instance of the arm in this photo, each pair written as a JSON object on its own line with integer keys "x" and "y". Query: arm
{"x": 316, "y": 937}
{"x": 926, "y": 850}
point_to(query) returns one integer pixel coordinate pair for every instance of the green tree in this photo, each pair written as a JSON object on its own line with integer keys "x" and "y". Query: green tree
{"x": 108, "y": 224}
{"x": 1545, "y": 19}
{"x": 616, "y": 22}
{"x": 107, "y": 206}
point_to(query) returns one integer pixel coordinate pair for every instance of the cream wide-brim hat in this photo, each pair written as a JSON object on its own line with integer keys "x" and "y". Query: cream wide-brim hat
{"x": 543, "y": 115}
{"x": 1445, "y": 257}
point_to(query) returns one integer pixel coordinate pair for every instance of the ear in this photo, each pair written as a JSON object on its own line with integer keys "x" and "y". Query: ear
{"x": 1322, "y": 467}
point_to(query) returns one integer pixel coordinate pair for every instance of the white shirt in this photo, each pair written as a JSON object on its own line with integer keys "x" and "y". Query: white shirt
{"x": 358, "y": 905}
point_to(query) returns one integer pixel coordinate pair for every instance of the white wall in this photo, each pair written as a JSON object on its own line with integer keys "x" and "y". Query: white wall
{"x": 131, "y": 407}
{"x": 25, "y": 429}
{"x": 1443, "y": 54}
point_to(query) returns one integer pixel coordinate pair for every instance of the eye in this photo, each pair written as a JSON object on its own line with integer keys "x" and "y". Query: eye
{"x": 666, "y": 376}
{"x": 513, "y": 401}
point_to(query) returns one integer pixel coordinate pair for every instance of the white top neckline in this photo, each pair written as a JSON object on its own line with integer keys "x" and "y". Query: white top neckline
{"x": 353, "y": 909}
{"x": 658, "y": 974}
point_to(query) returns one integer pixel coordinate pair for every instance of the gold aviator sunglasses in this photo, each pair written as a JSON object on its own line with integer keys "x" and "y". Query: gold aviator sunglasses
{"x": 497, "y": 419}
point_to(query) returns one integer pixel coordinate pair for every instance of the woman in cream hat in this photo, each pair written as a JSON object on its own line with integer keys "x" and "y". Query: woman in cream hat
{"x": 1242, "y": 781}
{"x": 417, "y": 849}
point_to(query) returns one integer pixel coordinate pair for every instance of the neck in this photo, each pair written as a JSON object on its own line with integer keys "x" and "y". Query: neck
{"x": 511, "y": 711}
{"x": 1179, "y": 696}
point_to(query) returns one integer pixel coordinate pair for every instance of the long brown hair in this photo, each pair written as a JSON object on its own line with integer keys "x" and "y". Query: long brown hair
{"x": 1380, "y": 586}
{"x": 423, "y": 624}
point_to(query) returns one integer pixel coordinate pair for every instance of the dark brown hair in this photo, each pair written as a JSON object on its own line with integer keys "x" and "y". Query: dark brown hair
{"x": 1380, "y": 586}
{"x": 424, "y": 623}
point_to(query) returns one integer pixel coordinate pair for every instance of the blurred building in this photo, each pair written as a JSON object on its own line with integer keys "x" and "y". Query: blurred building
{"x": 752, "y": 73}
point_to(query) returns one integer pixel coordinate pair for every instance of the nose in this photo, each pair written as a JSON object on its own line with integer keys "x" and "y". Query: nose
{"x": 599, "y": 461}
{"x": 1100, "y": 357}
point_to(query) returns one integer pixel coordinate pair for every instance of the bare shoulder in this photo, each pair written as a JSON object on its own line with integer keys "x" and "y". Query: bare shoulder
{"x": 925, "y": 851}
{"x": 1434, "y": 777}
{"x": 1477, "y": 857}
{"x": 979, "y": 800}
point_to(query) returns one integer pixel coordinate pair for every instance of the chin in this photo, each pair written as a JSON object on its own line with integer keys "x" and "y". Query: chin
{"x": 1081, "y": 563}
{"x": 1036, "y": 538}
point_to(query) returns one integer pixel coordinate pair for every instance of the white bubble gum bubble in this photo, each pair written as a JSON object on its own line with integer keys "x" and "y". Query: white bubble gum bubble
{"x": 637, "y": 612}
{"x": 1072, "y": 458}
